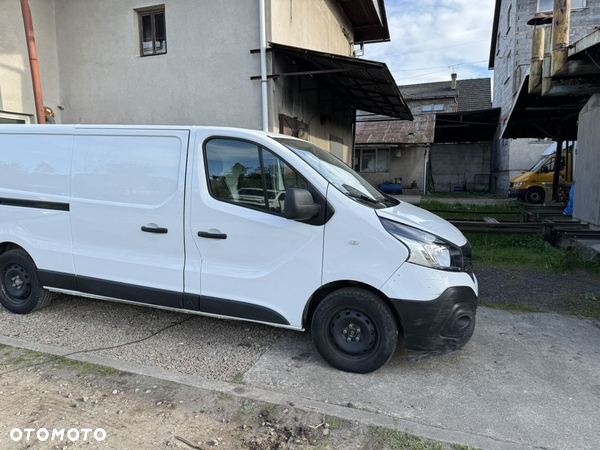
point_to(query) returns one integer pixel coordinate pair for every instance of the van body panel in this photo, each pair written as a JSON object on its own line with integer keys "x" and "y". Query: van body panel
{"x": 418, "y": 283}
{"x": 424, "y": 220}
{"x": 357, "y": 247}
{"x": 34, "y": 194}
{"x": 266, "y": 261}
{"x": 123, "y": 180}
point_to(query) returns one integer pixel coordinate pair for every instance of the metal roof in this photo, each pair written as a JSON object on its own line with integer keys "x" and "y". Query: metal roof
{"x": 368, "y": 18}
{"x": 469, "y": 126}
{"x": 534, "y": 116}
{"x": 366, "y": 85}
{"x": 420, "y": 131}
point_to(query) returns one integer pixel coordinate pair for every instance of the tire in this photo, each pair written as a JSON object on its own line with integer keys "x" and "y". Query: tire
{"x": 20, "y": 289}
{"x": 535, "y": 196}
{"x": 339, "y": 326}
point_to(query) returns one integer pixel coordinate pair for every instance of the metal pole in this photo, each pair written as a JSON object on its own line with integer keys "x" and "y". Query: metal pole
{"x": 264, "y": 82}
{"x": 33, "y": 62}
{"x": 555, "y": 182}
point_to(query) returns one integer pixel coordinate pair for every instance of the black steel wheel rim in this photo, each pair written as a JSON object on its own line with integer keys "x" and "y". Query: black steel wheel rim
{"x": 352, "y": 331}
{"x": 17, "y": 282}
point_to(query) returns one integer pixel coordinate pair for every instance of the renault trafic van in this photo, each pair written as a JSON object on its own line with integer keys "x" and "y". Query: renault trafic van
{"x": 229, "y": 223}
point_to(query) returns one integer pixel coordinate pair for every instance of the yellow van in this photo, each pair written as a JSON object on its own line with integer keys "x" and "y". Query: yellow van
{"x": 530, "y": 185}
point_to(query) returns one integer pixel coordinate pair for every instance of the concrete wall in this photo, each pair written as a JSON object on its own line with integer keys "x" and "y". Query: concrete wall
{"x": 587, "y": 169}
{"x": 508, "y": 80}
{"x": 16, "y": 90}
{"x": 322, "y": 120}
{"x": 409, "y": 166}
{"x": 313, "y": 24}
{"x": 452, "y": 164}
{"x": 203, "y": 79}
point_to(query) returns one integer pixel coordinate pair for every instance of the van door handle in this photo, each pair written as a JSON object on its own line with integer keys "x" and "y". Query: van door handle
{"x": 157, "y": 230}
{"x": 206, "y": 234}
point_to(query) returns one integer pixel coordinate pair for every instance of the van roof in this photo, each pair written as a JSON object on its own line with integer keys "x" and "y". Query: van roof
{"x": 68, "y": 129}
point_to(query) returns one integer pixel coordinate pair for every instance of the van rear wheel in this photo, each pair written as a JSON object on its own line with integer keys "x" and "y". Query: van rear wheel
{"x": 20, "y": 289}
{"x": 535, "y": 196}
{"x": 354, "y": 330}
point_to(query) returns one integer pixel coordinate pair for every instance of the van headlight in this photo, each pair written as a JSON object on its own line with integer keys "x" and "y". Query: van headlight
{"x": 425, "y": 249}
{"x": 517, "y": 185}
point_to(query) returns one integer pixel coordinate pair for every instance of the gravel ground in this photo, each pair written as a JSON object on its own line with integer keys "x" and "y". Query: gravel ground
{"x": 543, "y": 291}
{"x": 211, "y": 348}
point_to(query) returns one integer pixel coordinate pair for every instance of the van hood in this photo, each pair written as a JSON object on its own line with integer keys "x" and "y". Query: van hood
{"x": 413, "y": 216}
{"x": 526, "y": 176}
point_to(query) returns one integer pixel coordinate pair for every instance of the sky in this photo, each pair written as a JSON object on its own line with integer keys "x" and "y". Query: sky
{"x": 433, "y": 38}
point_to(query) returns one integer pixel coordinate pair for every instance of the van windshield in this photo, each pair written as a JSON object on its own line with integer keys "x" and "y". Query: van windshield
{"x": 338, "y": 174}
{"x": 539, "y": 164}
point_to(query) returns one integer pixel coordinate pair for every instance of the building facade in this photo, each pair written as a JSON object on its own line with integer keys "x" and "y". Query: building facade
{"x": 182, "y": 62}
{"x": 510, "y": 58}
{"x": 422, "y": 153}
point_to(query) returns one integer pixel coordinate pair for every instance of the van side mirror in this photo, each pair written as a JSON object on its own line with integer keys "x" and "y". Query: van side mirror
{"x": 300, "y": 205}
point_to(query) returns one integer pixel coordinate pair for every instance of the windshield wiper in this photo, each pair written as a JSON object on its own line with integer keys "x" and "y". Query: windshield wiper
{"x": 364, "y": 197}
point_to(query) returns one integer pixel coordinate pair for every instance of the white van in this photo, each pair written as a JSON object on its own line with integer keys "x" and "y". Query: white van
{"x": 169, "y": 217}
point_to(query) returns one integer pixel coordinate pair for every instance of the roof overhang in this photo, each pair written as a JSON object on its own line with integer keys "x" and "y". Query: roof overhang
{"x": 535, "y": 116}
{"x": 470, "y": 126}
{"x": 395, "y": 132}
{"x": 495, "y": 27}
{"x": 368, "y": 18}
{"x": 365, "y": 85}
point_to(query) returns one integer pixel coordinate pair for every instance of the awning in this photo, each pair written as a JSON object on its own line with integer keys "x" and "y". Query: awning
{"x": 469, "y": 126}
{"x": 534, "y": 116}
{"x": 368, "y": 18}
{"x": 366, "y": 85}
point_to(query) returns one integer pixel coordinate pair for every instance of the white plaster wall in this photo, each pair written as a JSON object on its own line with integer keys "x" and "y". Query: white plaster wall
{"x": 16, "y": 89}
{"x": 204, "y": 79}
{"x": 319, "y": 25}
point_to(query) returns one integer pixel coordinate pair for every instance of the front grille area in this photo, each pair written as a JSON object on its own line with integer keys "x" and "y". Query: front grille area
{"x": 467, "y": 259}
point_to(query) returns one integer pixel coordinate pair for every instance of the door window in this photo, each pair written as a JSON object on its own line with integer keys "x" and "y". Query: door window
{"x": 246, "y": 174}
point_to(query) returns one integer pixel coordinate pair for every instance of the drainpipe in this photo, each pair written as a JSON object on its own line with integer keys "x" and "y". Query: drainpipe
{"x": 560, "y": 36}
{"x": 263, "y": 66}
{"x": 33, "y": 62}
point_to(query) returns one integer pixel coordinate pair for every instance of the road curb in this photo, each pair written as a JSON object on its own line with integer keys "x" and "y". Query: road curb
{"x": 258, "y": 394}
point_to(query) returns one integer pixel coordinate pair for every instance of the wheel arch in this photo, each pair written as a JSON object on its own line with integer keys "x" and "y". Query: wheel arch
{"x": 328, "y": 288}
{"x": 7, "y": 246}
{"x": 536, "y": 189}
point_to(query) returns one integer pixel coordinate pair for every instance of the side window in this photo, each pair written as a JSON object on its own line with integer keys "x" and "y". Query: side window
{"x": 236, "y": 175}
{"x": 279, "y": 177}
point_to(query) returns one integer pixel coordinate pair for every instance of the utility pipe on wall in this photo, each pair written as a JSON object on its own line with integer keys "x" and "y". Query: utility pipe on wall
{"x": 537, "y": 61}
{"x": 33, "y": 62}
{"x": 264, "y": 83}
{"x": 560, "y": 35}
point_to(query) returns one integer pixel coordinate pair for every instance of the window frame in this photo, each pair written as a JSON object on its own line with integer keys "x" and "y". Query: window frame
{"x": 539, "y": 2}
{"x": 509, "y": 18}
{"x": 16, "y": 116}
{"x": 377, "y": 149}
{"x": 152, "y": 12}
{"x": 427, "y": 106}
{"x": 262, "y": 170}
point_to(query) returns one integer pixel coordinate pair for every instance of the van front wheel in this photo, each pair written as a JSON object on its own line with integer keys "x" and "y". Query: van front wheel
{"x": 354, "y": 330}
{"x": 535, "y": 196}
{"x": 20, "y": 289}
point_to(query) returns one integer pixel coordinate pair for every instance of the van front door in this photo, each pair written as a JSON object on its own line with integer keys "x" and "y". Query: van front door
{"x": 256, "y": 264}
{"x": 127, "y": 213}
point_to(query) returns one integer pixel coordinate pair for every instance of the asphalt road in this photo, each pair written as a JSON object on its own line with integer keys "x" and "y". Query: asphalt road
{"x": 527, "y": 379}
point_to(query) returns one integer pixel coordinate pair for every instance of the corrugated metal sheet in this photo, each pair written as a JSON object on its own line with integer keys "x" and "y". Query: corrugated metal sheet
{"x": 419, "y": 131}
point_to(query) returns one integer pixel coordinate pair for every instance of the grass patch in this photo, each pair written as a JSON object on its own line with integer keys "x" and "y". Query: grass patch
{"x": 238, "y": 378}
{"x": 225, "y": 396}
{"x": 587, "y": 305}
{"x": 509, "y": 307}
{"x": 464, "y": 447}
{"x": 529, "y": 252}
{"x": 500, "y": 211}
{"x": 386, "y": 438}
{"x": 461, "y": 195}
{"x": 84, "y": 368}
{"x": 335, "y": 423}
